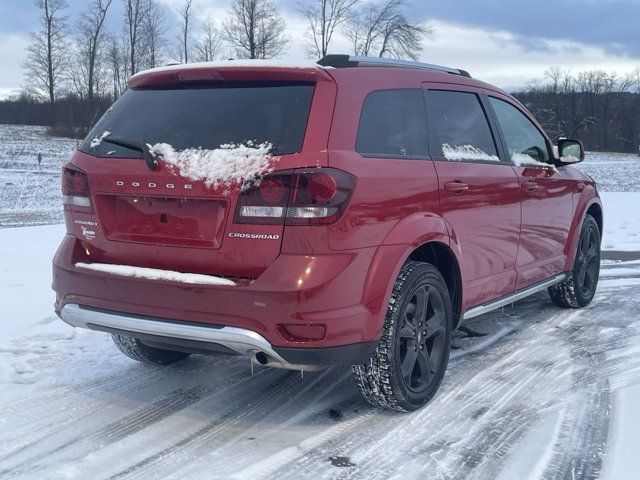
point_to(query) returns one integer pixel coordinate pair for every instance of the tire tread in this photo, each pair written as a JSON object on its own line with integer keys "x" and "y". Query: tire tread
{"x": 374, "y": 378}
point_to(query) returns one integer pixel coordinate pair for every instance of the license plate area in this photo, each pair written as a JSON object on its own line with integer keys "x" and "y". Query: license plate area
{"x": 186, "y": 222}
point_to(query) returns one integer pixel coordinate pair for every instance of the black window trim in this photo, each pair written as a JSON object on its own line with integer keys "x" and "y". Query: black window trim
{"x": 496, "y": 134}
{"x": 392, "y": 156}
{"x": 503, "y": 139}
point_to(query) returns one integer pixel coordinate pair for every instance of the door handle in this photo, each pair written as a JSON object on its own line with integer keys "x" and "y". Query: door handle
{"x": 530, "y": 186}
{"x": 456, "y": 187}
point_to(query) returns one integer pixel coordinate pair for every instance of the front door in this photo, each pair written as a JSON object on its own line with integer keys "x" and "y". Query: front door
{"x": 546, "y": 192}
{"x": 479, "y": 194}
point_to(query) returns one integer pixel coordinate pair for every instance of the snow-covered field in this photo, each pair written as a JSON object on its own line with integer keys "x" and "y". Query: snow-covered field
{"x": 30, "y": 194}
{"x": 531, "y": 392}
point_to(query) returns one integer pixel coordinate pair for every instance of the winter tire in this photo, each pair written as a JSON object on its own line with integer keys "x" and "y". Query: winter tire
{"x": 580, "y": 286}
{"x": 408, "y": 365}
{"x": 135, "y": 349}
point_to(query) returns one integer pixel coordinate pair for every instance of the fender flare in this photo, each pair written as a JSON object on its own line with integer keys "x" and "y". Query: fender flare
{"x": 403, "y": 239}
{"x": 586, "y": 201}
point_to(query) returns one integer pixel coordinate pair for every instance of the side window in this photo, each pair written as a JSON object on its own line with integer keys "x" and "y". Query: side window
{"x": 458, "y": 127}
{"x": 525, "y": 142}
{"x": 394, "y": 123}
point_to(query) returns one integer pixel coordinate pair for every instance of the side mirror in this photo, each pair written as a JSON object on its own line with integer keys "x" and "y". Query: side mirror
{"x": 570, "y": 151}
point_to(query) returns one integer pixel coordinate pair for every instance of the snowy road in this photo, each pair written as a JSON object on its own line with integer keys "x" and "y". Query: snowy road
{"x": 531, "y": 392}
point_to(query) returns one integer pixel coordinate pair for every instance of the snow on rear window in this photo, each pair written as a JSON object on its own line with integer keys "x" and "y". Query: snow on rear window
{"x": 466, "y": 152}
{"x": 96, "y": 141}
{"x": 221, "y": 167}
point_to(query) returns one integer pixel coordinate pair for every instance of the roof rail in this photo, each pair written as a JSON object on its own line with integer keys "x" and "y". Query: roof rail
{"x": 344, "y": 61}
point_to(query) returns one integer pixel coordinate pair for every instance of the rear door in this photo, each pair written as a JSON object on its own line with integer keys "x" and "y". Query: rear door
{"x": 172, "y": 219}
{"x": 479, "y": 193}
{"x": 546, "y": 192}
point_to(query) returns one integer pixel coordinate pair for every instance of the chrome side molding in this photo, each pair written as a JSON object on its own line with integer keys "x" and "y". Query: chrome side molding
{"x": 514, "y": 297}
{"x": 240, "y": 340}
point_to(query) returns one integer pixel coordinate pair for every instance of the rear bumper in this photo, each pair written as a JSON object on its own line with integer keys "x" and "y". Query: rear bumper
{"x": 327, "y": 289}
{"x": 202, "y": 338}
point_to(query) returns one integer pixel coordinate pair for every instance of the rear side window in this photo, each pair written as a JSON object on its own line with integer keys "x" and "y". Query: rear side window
{"x": 458, "y": 127}
{"x": 197, "y": 117}
{"x": 393, "y": 123}
{"x": 523, "y": 138}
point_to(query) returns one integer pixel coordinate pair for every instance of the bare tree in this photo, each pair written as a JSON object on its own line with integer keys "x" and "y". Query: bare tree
{"x": 185, "y": 14}
{"x": 90, "y": 53}
{"x": 47, "y": 55}
{"x": 153, "y": 38}
{"x": 255, "y": 29}
{"x": 134, "y": 17}
{"x": 324, "y": 17}
{"x": 385, "y": 31}
{"x": 635, "y": 76}
{"x": 210, "y": 43}
{"x": 117, "y": 59}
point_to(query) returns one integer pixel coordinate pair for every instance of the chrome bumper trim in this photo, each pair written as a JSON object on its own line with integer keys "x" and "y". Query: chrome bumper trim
{"x": 240, "y": 340}
{"x": 514, "y": 297}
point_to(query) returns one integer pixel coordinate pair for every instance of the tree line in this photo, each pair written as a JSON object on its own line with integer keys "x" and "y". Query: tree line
{"x": 75, "y": 69}
{"x": 602, "y": 109}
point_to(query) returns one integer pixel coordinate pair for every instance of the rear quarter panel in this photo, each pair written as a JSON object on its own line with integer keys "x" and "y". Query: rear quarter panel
{"x": 388, "y": 189}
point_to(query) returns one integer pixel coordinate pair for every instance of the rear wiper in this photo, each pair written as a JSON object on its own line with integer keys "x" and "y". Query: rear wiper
{"x": 149, "y": 159}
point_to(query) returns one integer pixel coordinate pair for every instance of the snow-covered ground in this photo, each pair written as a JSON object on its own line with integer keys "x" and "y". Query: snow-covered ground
{"x": 614, "y": 172}
{"x": 531, "y": 392}
{"x": 30, "y": 194}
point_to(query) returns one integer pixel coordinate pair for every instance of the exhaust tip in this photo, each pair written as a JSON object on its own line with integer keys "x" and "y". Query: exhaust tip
{"x": 262, "y": 358}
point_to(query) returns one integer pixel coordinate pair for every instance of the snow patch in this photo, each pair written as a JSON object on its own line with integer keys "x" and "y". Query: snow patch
{"x": 466, "y": 152}
{"x": 96, "y": 141}
{"x": 155, "y": 274}
{"x": 524, "y": 160}
{"x": 225, "y": 166}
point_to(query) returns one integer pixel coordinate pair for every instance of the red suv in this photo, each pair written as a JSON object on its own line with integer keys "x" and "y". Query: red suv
{"x": 398, "y": 199}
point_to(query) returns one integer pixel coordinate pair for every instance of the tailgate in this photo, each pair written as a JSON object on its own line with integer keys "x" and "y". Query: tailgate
{"x": 172, "y": 220}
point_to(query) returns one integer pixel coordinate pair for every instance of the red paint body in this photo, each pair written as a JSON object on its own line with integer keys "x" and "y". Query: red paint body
{"x": 503, "y": 235}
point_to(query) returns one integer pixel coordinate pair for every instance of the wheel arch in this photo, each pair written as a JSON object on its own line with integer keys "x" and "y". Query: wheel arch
{"x": 595, "y": 210}
{"x": 421, "y": 237}
{"x": 444, "y": 259}
{"x": 587, "y": 204}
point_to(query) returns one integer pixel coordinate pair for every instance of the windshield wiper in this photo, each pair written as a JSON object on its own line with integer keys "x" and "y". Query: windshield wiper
{"x": 149, "y": 159}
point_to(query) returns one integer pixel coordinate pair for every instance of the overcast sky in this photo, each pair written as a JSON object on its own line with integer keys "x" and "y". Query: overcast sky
{"x": 507, "y": 43}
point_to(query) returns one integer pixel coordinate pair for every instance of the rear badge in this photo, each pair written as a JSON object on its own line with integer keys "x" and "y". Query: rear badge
{"x": 254, "y": 236}
{"x": 170, "y": 186}
{"x": 88, "y": 234}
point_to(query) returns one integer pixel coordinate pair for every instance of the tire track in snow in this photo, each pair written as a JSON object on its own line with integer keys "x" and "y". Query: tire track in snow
{"x": 319, "y": 408}
{"x": 582, "y": 440}
{"x": 266, "y": 390}
{"x": 213, "y": 445}
{"x": 149, "y": 412}
{"x": 125, "y": 379}
{"x": 487, "y": 388}
{"x": 145, "y": 415}
{"x": 29, "y": 435}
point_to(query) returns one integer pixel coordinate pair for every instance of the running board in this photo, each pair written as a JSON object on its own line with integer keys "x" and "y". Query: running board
{"x": 513, "y": 297}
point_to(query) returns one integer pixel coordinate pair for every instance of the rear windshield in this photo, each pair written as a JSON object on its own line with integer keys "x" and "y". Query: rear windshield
{"x": 196, "y": 117}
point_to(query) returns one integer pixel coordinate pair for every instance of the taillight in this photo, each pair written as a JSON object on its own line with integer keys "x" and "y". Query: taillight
{"x": 316, "y": 196}
{"x": 75, "y": 190}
